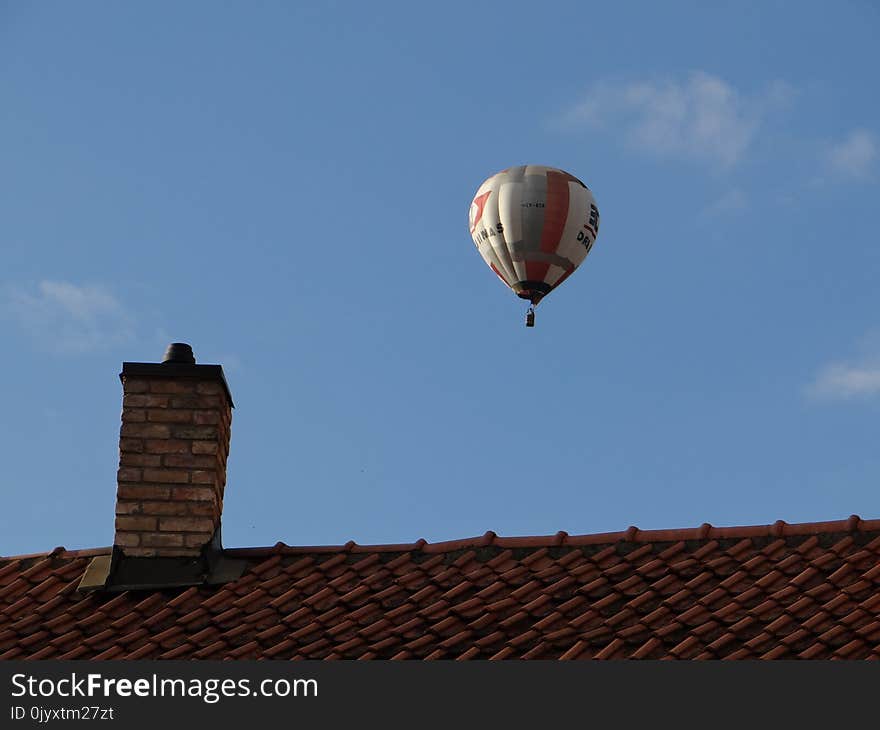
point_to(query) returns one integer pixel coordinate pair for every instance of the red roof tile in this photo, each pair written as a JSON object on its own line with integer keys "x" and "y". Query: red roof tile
{"x": 774, "y": 592}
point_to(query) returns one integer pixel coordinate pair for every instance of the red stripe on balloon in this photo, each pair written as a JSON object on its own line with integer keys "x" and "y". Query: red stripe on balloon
{"x": 555, "y": 211}
{"x": 555, "y": 215}
{"x": 536, "y": 270}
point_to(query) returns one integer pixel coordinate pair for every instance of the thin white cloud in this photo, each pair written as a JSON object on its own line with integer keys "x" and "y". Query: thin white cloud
{"x": 854, "y": 156}
{"x": 65, "y": 317}
{"x": 855, "y": 379}
{"x": 846, "y": 381}
{"x": 701, "y": 117}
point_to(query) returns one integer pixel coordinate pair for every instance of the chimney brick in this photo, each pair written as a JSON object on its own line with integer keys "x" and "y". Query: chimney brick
{"x": 173, "y": 445}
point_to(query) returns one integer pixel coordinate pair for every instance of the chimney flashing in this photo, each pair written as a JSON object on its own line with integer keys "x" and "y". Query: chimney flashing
{"x": 118, "y": 572}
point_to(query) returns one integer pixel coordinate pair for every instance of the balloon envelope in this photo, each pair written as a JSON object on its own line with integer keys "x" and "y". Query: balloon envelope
{"x": 533, "y": 225}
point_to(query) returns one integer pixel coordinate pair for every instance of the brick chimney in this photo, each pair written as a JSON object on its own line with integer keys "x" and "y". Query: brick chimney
{"x": 173, "y": 447}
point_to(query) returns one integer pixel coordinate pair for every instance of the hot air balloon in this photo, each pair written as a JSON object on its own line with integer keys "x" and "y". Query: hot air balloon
{"x": 533, "y": 225}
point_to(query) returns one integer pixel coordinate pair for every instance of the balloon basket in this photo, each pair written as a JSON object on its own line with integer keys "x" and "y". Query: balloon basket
{"x": 530, "y": 317}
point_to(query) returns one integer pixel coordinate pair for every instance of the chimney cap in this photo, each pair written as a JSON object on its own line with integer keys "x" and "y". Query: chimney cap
{"x": 179, "y": 362}
{"x": 179, "y": 352}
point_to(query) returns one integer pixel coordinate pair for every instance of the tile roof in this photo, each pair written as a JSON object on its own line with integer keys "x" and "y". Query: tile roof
{"x": 773, "y": 592}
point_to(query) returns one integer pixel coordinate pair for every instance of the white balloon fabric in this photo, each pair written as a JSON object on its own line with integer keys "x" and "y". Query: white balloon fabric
{"x": 533, "y": 225}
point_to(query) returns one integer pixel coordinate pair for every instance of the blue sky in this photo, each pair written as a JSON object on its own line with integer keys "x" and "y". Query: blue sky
{"x": 286, "y": 187}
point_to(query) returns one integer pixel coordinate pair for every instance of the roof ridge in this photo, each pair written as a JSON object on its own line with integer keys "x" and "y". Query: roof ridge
{"x": 60, "y": 552}
{"x": 780, "y": 528}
